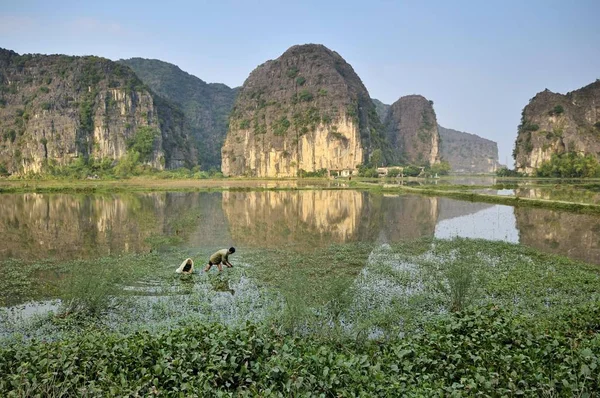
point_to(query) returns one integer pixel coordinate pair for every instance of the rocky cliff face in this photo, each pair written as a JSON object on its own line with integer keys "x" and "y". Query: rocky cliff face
{"x": 555, "y": 123}
{"x": 206, "y": 106}
{"x": 468, "y": 153}
{"x": 306, "y": 110}
{"x": 381, "y": 108}
{"x": 412, "y": 130}
{"x": 55, "y": 109}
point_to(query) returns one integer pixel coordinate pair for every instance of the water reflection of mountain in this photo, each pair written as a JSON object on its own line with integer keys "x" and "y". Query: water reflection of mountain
{"x": 35, "y": 226}
{"x": 408, "y": 217}
{"x": 65, "y": 226}
{"x": 573, "y": 235}
{"x": 302, "y": 218}
{"x": 316, "y": 218}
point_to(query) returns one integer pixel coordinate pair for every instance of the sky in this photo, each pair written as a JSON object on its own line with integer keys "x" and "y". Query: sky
{"x": 479, "y": 61}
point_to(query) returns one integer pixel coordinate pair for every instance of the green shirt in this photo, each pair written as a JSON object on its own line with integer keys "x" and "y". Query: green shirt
{"x": 220, "y": 256}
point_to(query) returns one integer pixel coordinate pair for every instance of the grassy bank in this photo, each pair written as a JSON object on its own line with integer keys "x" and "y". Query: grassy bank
{"x": 583, "y": 208}
{"x": 461, "y": 192}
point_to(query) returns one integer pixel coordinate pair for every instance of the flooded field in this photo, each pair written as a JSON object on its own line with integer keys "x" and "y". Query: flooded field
{"x": 75, "y": 226}
{"x": 115, "y": 254}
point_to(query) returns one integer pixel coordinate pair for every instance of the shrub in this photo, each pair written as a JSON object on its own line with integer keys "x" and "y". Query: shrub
{"x": 10, "y": 135}
{"x": 570, "y": 165}
{"x": 292, "y": 72}
{"x": 305, "y": 96}
{"x": 367, "y": 171}
{"x": 442, "y": 168}
{"x": 394, "y": 172}
{"x": 411, "y": 171}
{"x": 557, "y": 110}
{"x": 319, "y": 173}
{"x": 281, "y": 126}
{"x": 46, "y": 106}
{"x": 44, "y": 89}
{"x": 300, "y": 80}
{"x": 506, "y": 172}
{"x": 143, "y": 141}
{"x": 531, "y": 127}
{"x": 244, "y": 124}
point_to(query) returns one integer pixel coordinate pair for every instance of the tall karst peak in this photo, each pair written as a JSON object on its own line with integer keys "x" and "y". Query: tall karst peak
{"x": 412, "y": 130}
{"x": 468, "y": 153}
{"x": 302, "y": 112}
{"x": 554, "y": 123}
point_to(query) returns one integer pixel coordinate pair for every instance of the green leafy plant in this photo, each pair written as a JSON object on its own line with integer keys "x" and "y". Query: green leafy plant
{"x": 143, "y": 141}
{"x": 292, "y": 72}
{"x": 557, "y": 110}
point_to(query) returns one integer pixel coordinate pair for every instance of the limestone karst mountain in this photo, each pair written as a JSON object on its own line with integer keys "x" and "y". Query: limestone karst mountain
{"x": 554, "y": 123}
{"x": 411, "y": 127}
{"x": 206, "y": 106}
{"x": 303, "y": 112}
{"x": 55, "y": 109}
{"x": 468, "y": 153}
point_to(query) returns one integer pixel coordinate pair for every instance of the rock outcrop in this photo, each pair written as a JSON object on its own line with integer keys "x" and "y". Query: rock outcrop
{"x": 305, "y": 111}
{"x": 206, "y": 106}
{"x": 468, "y": 153}
{"x": 555, "y": 123}
{"x": 411, "y": 127}
{"x": 55, "y": 109}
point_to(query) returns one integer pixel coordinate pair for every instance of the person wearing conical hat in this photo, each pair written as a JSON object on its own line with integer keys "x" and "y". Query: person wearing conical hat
{"x": 186, "y": 267}
{"x": 220, "y": 257}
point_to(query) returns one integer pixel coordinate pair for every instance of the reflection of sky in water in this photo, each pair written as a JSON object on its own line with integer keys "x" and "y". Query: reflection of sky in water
{"x": 499, "y": 192}
{"x": 495, "y": 223}
{"x": 506, "y": 192}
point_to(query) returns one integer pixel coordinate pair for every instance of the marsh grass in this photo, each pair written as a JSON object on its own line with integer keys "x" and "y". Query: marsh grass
{"x": 424, "y": 318}
{"x": 458, "y": 284}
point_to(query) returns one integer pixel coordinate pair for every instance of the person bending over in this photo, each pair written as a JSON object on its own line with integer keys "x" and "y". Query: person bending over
{"x": 186, "y": 267}
{"x": 220, "y": 257}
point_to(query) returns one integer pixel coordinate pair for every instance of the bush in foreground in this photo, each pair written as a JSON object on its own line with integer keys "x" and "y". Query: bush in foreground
{"x": 474, "y": 352}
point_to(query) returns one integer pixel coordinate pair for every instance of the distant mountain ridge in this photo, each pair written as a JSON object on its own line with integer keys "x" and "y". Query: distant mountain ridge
{"x": 465, "y": 152}
{"x": 206, "y": 106}
{"x": 468, "y": 153}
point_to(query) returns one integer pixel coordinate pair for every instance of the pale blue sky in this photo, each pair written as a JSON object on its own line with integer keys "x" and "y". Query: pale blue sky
{"x": 479, "y": 61}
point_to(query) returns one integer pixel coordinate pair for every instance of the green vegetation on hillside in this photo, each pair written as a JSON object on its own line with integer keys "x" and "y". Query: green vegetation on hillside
{"x": 506, "y": 172}
{"x": 206, "y": 106}
{"x": 570, "y": 165}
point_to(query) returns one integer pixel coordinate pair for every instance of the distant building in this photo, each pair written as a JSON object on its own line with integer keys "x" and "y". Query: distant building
{"x": 342, "y": 172}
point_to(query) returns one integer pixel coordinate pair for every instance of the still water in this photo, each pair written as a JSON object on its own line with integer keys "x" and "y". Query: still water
{"x": 68, "y": 226}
